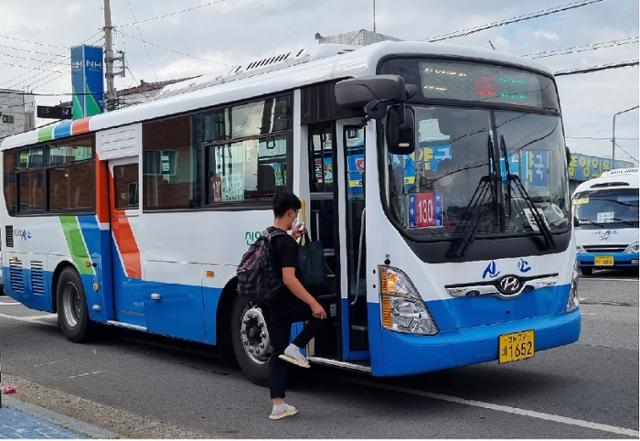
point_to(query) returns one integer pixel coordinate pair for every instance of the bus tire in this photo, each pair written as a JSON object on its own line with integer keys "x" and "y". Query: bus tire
{"x": 586, "y": 271}
{"x": 71, "y": 301}
{"x": 248, "y": 330}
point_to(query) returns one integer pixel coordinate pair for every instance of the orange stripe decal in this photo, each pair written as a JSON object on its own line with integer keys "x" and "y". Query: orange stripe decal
{"x": 123, "y": 235}
{"x": 102, "y": 197}
{"x": 80, "y": 126}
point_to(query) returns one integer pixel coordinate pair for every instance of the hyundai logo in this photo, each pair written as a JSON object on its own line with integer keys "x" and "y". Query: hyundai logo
{"x": 509, "y": 285}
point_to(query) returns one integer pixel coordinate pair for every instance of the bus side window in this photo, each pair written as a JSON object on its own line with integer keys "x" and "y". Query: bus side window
{"x": 126, "y": 186}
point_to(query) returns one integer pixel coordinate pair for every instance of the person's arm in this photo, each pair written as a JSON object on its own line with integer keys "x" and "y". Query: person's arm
{"x": 293, "y": 284}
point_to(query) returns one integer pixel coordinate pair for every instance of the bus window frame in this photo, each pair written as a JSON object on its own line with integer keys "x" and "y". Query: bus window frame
{"x": 44, "y": 169}
{"x": 246, "y": 205}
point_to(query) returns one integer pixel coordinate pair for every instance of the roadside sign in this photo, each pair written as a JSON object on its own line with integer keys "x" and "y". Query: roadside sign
{"x": 54, "y": 112}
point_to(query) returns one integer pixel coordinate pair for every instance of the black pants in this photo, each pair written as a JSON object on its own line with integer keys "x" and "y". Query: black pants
{"x": 284, "y": 310}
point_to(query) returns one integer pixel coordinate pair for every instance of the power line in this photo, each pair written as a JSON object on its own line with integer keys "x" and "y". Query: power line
{"x": 19, "y": 57}
{"x": 504, "y": 22}
{"x": 597, "y": 68}
{"x": 39, "y": 82}
{"x": 171, "y": 14}
{"x": 144, "y": 45}
{"x": 583, "y": 48}
{"x": 33, "y": 51}
{"x": 171, "y": 50}
{"x": 28, "y": 67}
{"x": 628, "y": 154}
{"x": 10, "y": 37}
{"x": 18, "y": 81}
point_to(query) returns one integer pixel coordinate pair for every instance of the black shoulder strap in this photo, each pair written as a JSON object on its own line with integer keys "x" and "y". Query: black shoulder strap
{"x": 270, "y": 235}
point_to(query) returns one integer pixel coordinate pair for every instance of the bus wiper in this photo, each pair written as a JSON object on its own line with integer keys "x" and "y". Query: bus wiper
{"x": 535, "y": 213}
{"x": 472, "y": 214}
{"x": 589, "y": 221}
{"x": 628, "y": 222}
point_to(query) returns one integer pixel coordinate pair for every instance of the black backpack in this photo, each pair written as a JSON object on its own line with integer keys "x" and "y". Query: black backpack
{"x": 257, "y": 278}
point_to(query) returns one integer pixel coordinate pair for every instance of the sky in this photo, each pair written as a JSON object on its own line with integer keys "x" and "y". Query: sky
{"x": 230, "y": 32}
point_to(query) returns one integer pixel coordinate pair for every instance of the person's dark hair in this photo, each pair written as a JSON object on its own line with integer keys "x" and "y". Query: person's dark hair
{"x": 284, "y": 201}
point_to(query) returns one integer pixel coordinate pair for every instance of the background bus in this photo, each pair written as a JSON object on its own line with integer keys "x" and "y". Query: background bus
{"x": 457, "y": 251}
{"x": 606, "y": 221}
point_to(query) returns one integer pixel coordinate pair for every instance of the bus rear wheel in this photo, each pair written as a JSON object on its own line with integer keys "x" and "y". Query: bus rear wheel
{"x": 250, "y": 340}
{"x": 73, "y": 315}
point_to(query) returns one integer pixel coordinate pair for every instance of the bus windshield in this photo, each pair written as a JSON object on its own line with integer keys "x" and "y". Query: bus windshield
{"x": 458, "y": 171}
{"x": 603, "y": 208}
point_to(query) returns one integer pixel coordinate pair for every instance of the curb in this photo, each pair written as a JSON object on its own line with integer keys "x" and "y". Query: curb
{"x": 67, "y": 422}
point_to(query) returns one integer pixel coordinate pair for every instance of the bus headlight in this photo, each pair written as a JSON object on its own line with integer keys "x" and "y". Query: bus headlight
{"x": 403, "y": 310}
{"x": 574, "y": 300}
{"x": 580, "y": 249}
{"x": 633, "y": 248}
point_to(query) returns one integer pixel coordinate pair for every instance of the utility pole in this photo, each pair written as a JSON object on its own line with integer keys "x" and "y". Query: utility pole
{"x": 108, "y": 57}
{"x": 613, "y": 136}
{"x": 374, "y": 15}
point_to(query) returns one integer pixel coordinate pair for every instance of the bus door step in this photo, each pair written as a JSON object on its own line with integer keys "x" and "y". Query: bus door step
{"x": 126, "y": 326}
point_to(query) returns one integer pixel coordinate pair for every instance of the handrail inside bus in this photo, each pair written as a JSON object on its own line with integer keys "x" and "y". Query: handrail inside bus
{"x": 359, "y": 265}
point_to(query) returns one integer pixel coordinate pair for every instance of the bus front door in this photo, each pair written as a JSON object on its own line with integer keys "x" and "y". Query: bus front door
{"x": 351, "y": 196}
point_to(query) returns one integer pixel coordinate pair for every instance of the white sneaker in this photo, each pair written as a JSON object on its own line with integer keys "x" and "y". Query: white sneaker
{"x": 288, "y": 410}
{"x": 293, "y": 355}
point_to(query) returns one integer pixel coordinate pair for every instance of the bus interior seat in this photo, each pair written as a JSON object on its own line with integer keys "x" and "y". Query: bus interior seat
{"x": 266, "y": 179}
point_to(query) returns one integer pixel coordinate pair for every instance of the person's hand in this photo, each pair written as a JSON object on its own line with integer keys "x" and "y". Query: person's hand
{"x": 318, "y": 311}
{"x": 298, "y": 230}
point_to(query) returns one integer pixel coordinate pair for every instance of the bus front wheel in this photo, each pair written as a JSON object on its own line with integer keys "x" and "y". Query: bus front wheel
{"x": 73, "y": 316}
{"x": 586, "y": 271}
{"x": 250, "y": 339}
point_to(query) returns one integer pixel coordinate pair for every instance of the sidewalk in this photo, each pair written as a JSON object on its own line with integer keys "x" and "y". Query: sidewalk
{"x": 19, "y": 419}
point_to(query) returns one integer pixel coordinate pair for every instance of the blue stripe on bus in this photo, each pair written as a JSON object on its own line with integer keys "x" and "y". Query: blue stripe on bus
{"x": 62, "y": 130}
{"x": 464, "y": 312}
{"x": 396, "y": 353}
{"x": 92, "y": 235}
{"x": 620, "y": 260}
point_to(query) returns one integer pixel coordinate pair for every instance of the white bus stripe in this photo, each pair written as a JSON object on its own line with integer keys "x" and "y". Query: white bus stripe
{"x": 499, "y": 408}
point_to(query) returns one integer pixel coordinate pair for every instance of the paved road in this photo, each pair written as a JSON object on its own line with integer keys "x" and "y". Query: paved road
{"x": 145, "y": 386}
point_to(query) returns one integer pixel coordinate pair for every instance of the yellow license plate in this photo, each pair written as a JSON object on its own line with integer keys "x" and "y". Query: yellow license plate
{"x": 516, "y": 346}
{"x": 603, "y": 261}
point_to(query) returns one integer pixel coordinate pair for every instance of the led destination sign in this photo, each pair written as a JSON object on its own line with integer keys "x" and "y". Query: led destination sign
{"x": 478, "y": 82}
{"x": 474, "y": 81}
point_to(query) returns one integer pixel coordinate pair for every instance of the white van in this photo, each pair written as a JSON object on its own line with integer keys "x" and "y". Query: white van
{"x": 605, "y": 217}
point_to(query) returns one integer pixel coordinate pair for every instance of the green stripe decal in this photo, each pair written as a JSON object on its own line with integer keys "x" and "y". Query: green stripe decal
{"x": 79, "y": 252}
{"x": 45, "y": 134}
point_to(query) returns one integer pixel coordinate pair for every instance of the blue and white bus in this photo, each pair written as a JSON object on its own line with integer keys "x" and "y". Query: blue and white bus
{"x": 606, "y": 221}
{"x": 435, "y": 178}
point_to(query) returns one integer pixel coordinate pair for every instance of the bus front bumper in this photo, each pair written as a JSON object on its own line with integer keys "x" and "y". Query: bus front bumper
{"x": 620, "y": 260}
{"x": 405, "y": 354}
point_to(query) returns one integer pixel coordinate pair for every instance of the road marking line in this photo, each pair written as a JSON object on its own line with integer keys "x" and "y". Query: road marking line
{"x": 31, "y": 319}
{"x": 9, "y": 303}
{"x": 607, "y": 279}
{"x": 499, "y": 408}
{"x": 86, "y": 373}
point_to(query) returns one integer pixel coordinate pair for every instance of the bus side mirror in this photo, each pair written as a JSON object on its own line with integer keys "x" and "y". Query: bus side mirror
{"x": 374, "y": 93}
{"x": 568, "y": 153}
{"x": 400, "y": 133}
